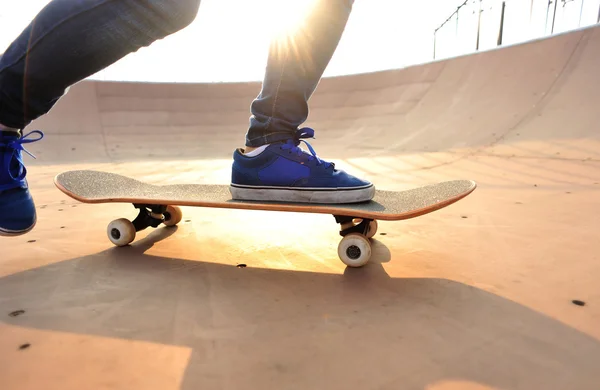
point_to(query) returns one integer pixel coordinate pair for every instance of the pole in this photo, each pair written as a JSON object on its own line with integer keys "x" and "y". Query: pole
{"x": 501, "y": 32}
{"x": 531, "y": 11}
{"x": 478, "y": 26}
{"x": 434, "y": 42}
{"x": 456, "y": 32}
{"x": 531, "y": 18}
{"x": 547, "y": 13}
{"x": 456, "y": 39}
{"x": 598, "y": 20}
{"x": 554, "y": 16}
{"x": 580, "y": 14}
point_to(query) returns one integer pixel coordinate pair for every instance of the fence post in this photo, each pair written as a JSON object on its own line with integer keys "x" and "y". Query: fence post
{"x": 531, "y": 11}
{"x": 478, "y": 26}
{"x": 456, "y": 31}
{"x": 554, "y": 16}
{"x": 501, "y": 32}
{"x": 434, "y": 41}
{"x": 547, "y": 13}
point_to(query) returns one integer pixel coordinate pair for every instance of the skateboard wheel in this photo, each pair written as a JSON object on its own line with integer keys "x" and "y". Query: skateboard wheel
{"x": 121, "y": 232}
{"x": 354, "y": 250}
{"x": 372, "y": 229}
{"x": 172, "y": 216}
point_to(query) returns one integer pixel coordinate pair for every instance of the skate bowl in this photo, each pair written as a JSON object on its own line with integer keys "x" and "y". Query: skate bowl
{"x": 498, "y": 291}
{"x": 531, "y": 100}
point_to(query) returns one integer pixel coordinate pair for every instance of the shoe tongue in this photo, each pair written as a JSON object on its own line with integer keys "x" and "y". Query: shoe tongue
{"x": 303, "y": 148}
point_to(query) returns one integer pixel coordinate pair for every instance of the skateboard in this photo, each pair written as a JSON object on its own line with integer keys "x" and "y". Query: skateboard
{"x": 159, "y": 204}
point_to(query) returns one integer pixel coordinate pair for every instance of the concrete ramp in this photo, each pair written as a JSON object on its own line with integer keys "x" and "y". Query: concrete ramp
{"x": 497, "y": 291}
{"x": 536, "y": 99}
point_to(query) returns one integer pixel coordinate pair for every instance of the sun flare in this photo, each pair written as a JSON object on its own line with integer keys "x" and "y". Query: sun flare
{"x": 286, "y": 17}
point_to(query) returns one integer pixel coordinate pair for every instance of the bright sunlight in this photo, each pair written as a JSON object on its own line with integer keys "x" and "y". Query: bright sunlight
{"x": 286, "y": 17}
{"x": 229, "y": 39}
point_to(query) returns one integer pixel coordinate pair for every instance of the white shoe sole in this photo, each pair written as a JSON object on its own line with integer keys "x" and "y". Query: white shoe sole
{"x": 305, "y": 195}
{"x": 14, "y": 233}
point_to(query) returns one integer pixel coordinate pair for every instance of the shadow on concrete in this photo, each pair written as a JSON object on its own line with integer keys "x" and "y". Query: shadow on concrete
{"x": 254, "y": 328}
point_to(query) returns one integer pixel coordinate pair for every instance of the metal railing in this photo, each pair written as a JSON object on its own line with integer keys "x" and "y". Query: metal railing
{"x": 472, "y": 13}
{"x": 444, "y": 23}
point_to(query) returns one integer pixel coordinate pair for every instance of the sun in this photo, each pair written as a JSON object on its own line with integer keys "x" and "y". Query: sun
{"x": 286, "y": 17}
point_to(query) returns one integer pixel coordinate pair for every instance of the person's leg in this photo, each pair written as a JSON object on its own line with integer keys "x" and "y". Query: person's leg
{"x": 65, "y": 43}
{"x": 71, "y": 40}
{"x": 271, "y": 166}
{"x": 295, "y": 65}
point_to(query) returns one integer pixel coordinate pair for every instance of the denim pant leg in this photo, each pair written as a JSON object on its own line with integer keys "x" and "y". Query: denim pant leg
{"x": 294, "y": 67}
{"x": 70, "y": 40}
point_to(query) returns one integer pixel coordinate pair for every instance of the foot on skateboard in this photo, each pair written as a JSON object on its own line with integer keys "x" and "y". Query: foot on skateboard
{"x": 284, "y": 172}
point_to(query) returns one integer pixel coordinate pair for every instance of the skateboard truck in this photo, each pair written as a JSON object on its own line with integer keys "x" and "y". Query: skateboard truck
{"x": 348, "y": 225}
{"x": 122, "y": 231}
{"x": 149, "y": 216}
{"x": 355, "y": 248}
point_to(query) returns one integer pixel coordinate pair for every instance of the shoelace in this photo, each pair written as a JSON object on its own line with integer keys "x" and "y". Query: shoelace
{"x": 293, "y": 146}
{"x": 17, "y": 146}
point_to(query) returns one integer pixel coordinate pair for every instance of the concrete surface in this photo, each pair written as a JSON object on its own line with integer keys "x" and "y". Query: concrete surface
{"x": 475, "y": 296}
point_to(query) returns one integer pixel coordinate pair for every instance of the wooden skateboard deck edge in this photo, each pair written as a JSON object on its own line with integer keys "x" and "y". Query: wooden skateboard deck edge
{"x": 313, "y": 208}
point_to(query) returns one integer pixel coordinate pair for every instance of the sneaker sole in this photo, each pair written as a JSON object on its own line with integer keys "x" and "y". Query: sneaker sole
{"x": 305, "y": 195}
{"x": 13, "y": 233}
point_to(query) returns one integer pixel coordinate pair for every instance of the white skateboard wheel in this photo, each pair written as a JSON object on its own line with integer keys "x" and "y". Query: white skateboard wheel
{"x": 121, "y": 232}
{"x": 172, "y": 215}
{"x": 372, "y": 229}
{"x": 354, "y": 250}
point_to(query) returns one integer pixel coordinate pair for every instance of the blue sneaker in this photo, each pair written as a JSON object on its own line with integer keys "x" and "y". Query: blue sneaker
{"x": 284, "y": 172}
{"x": 17, "y": 210}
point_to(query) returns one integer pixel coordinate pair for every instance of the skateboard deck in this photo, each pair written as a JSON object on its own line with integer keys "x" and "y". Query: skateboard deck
{"x": 158, "y": 204}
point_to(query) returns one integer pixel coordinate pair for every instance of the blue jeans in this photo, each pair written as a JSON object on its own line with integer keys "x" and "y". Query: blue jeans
{"x": 70, "y": 40}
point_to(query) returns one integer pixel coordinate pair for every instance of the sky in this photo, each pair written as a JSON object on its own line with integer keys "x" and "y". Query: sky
{"x": 229, "y": 39}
